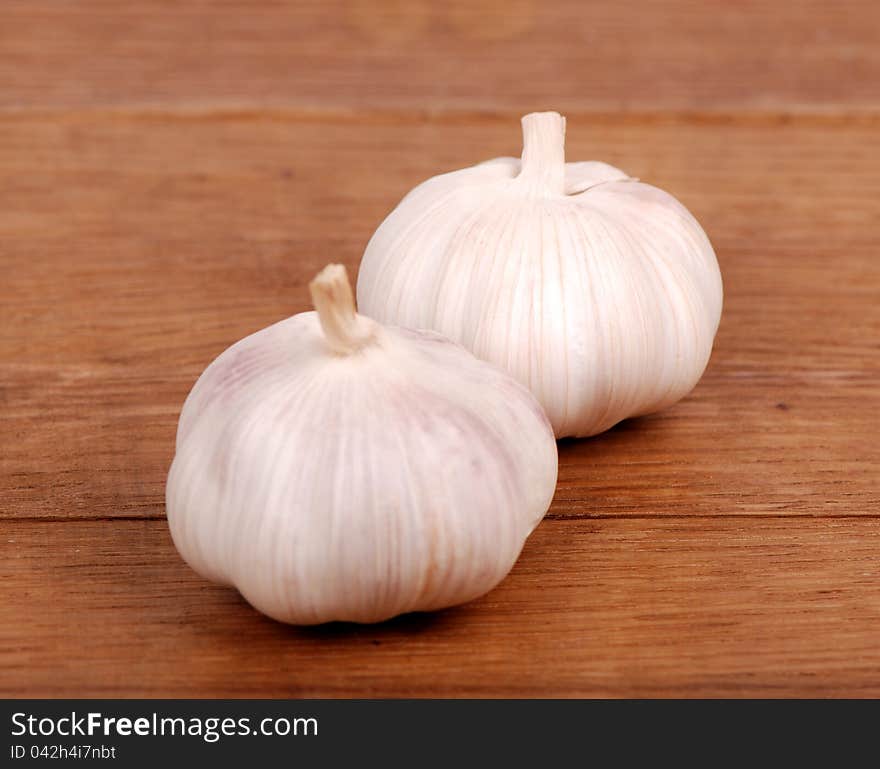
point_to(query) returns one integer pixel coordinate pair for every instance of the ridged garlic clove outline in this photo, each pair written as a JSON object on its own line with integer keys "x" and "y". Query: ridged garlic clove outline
{"x": 599, "y": 293}
{"x": 331, "y": 468}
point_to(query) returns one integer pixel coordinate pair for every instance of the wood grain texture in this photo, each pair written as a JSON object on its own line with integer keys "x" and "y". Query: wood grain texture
{"x": 707, "y": 606}
{"x": 518, "y": 55}
{"x": 138, "y": 248}
{"x": 173, "y": 174}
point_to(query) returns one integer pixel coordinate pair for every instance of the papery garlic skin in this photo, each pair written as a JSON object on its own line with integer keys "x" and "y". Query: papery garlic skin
{"x": 334, "y": 469}
{"x": 599, "y": 293}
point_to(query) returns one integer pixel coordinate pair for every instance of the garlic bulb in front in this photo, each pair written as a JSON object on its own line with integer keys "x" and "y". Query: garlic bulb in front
{"x": 599, "y": 293}
{"x": 334, "y": 469}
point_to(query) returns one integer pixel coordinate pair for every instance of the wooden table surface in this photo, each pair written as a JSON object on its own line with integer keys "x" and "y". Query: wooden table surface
{"x": 172, "y": 175}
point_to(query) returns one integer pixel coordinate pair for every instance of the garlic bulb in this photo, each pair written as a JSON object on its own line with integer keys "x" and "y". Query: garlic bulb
{"x": 599, "y": 293}
{"x": 334, "y": 469}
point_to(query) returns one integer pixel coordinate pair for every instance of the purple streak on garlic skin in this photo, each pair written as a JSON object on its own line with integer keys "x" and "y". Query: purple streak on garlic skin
{"x": 388, "y": 472}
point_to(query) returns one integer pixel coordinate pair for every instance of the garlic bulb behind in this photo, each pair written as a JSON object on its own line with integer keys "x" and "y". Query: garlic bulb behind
{"x": 334, "y": 469}
{"x": 599, "y": 293}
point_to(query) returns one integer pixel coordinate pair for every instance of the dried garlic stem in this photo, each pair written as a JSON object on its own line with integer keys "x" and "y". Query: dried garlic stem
{"x": 345, "y": 330}
{"x": 543, "y": 157}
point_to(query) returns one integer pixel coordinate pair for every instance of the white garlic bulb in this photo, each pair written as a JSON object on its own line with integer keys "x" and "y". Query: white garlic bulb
{"x": 334, "y": 469}
{"x": 599, "y": 293}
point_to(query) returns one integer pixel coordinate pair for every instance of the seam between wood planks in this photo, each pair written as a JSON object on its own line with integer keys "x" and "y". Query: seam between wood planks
{"x": 549, "y": 517}
{"x": 867, "y": 116}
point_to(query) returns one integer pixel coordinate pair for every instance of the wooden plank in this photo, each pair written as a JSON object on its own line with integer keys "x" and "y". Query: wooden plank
{"x": 135, "y": 248}
{"x": 626, "y": 607}
{"x": 513, "y": 54}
